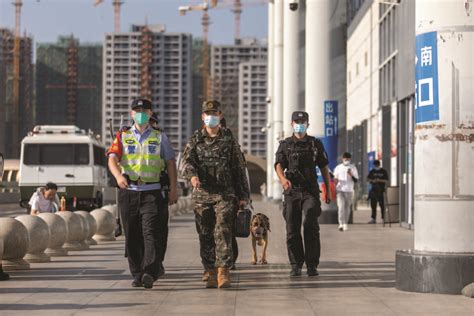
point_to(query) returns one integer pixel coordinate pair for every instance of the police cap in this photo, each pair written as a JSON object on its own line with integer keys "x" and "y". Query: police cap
{"x": 141, "y": 103}
{"x": 299, "y": 115}
{"x": 211, "y": 106}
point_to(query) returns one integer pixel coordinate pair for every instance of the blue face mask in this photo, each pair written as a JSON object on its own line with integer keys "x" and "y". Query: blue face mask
{"x": 300, "y": 128}
{"x": 211, "y": 121}
{"x": 141, "y": 118}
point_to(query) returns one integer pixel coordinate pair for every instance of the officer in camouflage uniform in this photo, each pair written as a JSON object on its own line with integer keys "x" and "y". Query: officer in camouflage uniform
{"x": 212, "y": 161}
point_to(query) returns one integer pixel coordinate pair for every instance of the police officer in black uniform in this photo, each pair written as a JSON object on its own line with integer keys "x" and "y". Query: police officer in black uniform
{"x": 296, "y": 161}
{"x": 378, "y": 177}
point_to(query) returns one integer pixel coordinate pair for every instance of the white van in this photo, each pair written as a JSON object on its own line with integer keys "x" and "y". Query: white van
{"x": 68, "y": 156}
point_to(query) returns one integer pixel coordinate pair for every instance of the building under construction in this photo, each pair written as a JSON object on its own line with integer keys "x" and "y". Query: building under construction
{"x": 225, "y": 61}
{"x": 16, "y": 111}
{"x": 69, "y": 83}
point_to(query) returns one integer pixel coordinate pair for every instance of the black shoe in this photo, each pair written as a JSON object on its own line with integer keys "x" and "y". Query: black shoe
{"x": 147, "y": 281}
{"x": 295, "y": 271}
{"x": 118, "y": 228}
{"x": 4, "y": 276}
{"x": 137, "y": 282}
{"x": 312, "y": 271}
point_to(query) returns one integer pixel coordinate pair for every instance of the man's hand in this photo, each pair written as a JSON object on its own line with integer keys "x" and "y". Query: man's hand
{"x": 286, "y": 184}
{"x": 195, "y": 182}
{"x": 329, "y": 196}
{"x": 34, "y": 212}
{"x": 242, "y": 204}
{"x": 173, "y": 196}
{"x": 122, "y": 182}
{"x": 349, "y": 171}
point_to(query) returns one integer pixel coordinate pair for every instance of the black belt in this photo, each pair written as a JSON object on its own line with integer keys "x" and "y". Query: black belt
{"x": 140, "y": 182}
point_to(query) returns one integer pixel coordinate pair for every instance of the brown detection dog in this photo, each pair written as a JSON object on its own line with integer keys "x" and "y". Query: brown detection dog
{"x": 259, "y": 228}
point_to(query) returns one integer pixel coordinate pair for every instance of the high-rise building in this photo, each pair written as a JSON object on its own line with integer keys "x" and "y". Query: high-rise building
{"x": 150, "y": 63}
{"x": 69, "y": 84}
{"x": 225, "y": 61}
{"x": 9, "y": 107}
{"x": 253, "y": 107}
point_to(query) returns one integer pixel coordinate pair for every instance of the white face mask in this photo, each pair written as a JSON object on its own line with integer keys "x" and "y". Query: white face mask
{"x": 346, "y": 162}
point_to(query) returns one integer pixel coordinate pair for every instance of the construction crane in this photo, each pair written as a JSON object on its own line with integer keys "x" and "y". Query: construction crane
{"x": 16, "y": 78}
{"x": 204, "y": 7}
{"x": 237, "y": 6}
{"x": 117, "y": 4}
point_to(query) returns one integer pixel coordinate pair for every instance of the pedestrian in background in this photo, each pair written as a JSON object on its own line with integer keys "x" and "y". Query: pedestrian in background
{"x": 378, "y": 178}
{"x": 45, "y": 199}
{"x": 345, "y": 176}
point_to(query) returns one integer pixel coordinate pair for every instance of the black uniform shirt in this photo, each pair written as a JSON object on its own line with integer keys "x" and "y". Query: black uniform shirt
{"x": 284, "y": 151}
{"x": 380, "y": 174}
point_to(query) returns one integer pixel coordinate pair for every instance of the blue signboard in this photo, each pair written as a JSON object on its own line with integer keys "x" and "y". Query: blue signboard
{"x": 426, "y": 78}
{"x": 330, "y": 132}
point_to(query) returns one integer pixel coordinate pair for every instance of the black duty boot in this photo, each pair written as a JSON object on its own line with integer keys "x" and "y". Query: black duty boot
{"x": 137, "y": 281}
{"x": 295, "y": 271}
{"x": 118, "y": 228}
{"x": 312, "y": 271}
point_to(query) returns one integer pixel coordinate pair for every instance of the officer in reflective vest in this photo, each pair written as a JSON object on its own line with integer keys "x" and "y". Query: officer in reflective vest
{"x": 136, "y": 159}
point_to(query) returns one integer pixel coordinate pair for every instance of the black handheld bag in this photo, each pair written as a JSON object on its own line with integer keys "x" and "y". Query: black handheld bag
{"x": 242, "y": 222}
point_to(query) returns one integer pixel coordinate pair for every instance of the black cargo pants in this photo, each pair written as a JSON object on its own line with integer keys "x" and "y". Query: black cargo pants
{"x": 144, "y": 216}
{"x": 377, "y": 197}
{"x": 299, "y": 203}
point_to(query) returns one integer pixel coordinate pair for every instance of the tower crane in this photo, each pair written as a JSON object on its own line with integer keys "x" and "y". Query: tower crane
{"x": 204, "y": 7}
{"x": 117, "y": 4}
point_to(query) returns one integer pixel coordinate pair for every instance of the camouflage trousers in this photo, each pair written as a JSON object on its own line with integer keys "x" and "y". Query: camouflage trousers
{"x": 215, "y": 216}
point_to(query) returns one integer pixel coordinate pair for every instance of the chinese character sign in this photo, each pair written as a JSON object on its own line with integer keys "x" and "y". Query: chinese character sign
{"x": 426, "y": 78}
{"x": 330, "y": 132}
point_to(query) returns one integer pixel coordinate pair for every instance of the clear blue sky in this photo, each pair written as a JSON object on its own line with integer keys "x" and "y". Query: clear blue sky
{"x": 47, "y": 19}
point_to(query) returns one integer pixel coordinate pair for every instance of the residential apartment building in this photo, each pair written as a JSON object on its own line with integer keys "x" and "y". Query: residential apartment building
{"x": 253, "y": 107}
{"x": 148, "y": 62}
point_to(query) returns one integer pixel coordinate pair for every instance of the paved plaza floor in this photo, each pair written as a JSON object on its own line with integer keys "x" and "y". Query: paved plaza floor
{"x": 357, "y": 277}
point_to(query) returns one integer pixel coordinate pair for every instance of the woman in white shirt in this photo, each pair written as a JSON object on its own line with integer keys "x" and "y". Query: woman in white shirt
{"x": 345, "y": 175}
{"x": 45, "y": 199}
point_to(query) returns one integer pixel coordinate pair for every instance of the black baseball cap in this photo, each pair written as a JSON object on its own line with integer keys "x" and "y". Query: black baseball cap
{"x": 141, "y": 103}
{"x": 299, "y": 115}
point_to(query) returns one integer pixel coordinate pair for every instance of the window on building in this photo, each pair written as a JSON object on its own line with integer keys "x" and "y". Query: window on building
{"x": 366, "y": 59}
{"x": 357, "y": 69}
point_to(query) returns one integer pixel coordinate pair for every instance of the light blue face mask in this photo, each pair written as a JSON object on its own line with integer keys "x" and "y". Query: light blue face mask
{"x": 300, "y": 128}
{"x": 211, "y": 121}
{"x": 141, "y": 118}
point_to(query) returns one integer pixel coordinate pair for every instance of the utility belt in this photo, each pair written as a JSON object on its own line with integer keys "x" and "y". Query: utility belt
{"x": 298, "y": 179}
{"x": 137, "y": 182}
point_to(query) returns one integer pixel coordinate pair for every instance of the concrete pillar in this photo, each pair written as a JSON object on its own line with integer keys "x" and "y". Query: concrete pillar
{"x": 270, "y": 103}
{"x": 105, "y": 225}
{"x": 85, "y": 231}
{"x": 442, "y": 260}
{"x": 318, "y": 63}
{"x": 75, "y": 230}
{"x": 277, "y": 87}
{"x": 57, "y": 234}
{"x": 291, "y": 63}
{"x": 15, "y": 244}
{"x": 112, "y": 208}
{"x": 92, "y": 226}
{"x": 38, "y": 232}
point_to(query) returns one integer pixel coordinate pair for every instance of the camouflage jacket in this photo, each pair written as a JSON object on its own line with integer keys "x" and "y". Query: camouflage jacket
{"x": 217, "y": 162}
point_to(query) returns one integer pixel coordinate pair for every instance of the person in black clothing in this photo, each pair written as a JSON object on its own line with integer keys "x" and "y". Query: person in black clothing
{"x": 295, "y": 163}
{"x": 378, "y": 177}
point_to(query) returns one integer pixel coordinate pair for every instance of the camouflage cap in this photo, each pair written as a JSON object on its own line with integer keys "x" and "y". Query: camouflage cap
{"x": 211, "y": 106}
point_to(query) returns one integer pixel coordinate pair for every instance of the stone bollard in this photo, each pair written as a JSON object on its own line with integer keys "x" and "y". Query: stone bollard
{"x": 38, "y": 232}
{"x": 57, "y": 234}
{"x": 85, "y": 231}
{"x": 468, "y": 290}
{"x": 105, "y": 225}
{"x": 15, "y": 244}
{"x": 74, "y": 229}
{"x": 111, "y": 208}
{"x": 92, "y": 226}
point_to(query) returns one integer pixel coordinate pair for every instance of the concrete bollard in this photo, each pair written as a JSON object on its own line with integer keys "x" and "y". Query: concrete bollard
{"x": 85, "y": 232}
{"x": 111, "y": 208}
{"x": 74, "y": 229}
{"x": 57, "y": 234}
{"x": 15, "y": 244}
{"x": 38, "y": 232}
{"x": 92, "y": 226}
{"x": 105, "y": 225}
